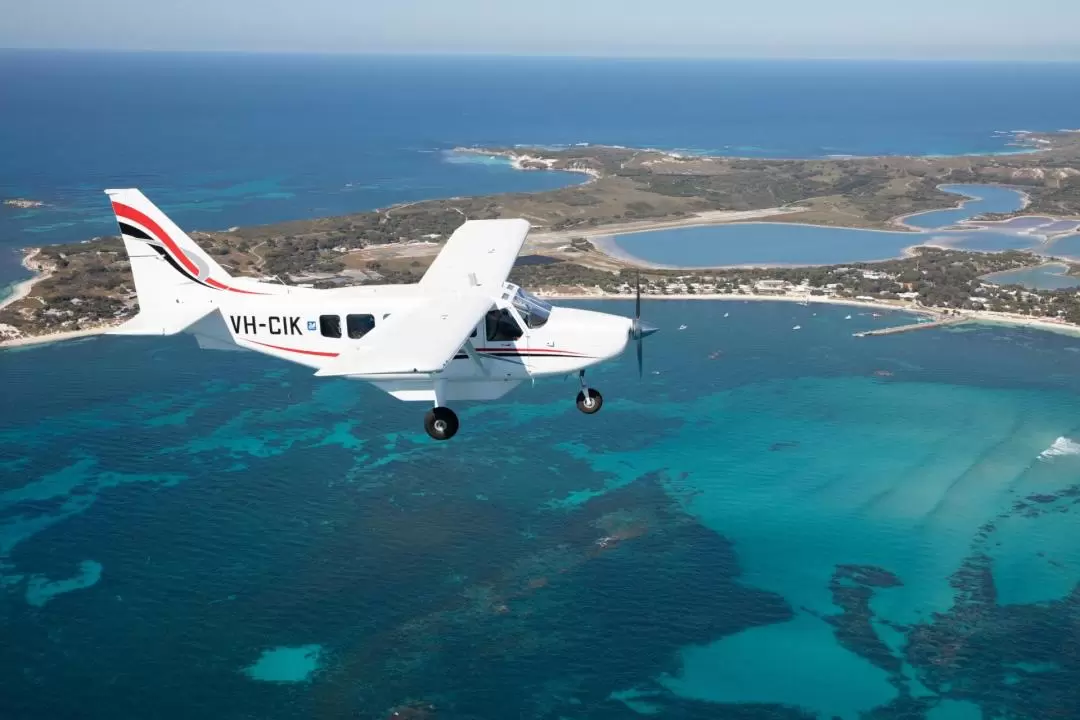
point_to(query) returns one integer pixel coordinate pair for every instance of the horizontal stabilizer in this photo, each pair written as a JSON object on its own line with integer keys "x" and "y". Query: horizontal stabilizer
{"x": 164, "y": 323}
{"x": 421, "y": 340}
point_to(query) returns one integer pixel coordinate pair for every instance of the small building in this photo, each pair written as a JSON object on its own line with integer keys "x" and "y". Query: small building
{"x": 773, "y": 287}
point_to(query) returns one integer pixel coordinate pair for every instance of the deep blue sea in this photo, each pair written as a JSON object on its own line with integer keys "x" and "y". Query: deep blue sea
{"x": 224, "y": 140}
{"x": 770, "y": 524}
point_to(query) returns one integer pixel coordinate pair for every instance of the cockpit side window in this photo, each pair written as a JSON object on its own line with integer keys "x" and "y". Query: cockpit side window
{"x": 532, "y": 309}
{"x": 501, "y": 326}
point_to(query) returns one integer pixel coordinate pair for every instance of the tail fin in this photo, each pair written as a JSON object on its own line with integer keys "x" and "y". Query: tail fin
{"x": 176, "y": 281}
{"x": 163, "y": 257}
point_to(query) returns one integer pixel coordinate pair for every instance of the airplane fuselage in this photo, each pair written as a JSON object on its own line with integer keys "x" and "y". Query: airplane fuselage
{"x": 314, "y": 327}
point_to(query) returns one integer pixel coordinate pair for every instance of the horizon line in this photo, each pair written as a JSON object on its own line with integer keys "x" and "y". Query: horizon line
{"x": 543, "y": 56}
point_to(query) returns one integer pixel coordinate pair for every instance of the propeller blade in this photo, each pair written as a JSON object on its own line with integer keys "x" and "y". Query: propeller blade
{"x": 637, "y": 303}
{"x": 640, "y": 359}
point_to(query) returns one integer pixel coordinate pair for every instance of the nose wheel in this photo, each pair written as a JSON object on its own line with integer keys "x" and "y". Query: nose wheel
{"x": 441, "y": 423}
{"x": 589, "y": 400}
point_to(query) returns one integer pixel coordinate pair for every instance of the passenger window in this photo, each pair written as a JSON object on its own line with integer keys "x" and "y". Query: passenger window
{"x": 501, "y": 326}
{"x": 330, "y": 326}
{"x": 359, "y": 325}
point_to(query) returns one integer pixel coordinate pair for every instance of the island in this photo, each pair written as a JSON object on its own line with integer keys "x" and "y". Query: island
{"x": 23, "y": 203}
{"x": 81, "y": 288}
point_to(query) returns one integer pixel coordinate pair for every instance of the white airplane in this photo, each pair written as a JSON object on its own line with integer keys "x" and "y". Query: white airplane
{"x": 461, "y": 333}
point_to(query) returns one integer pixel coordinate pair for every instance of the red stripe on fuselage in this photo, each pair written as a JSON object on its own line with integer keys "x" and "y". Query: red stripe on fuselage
{"x": 222, "y": 286}
{"x": 295, "y": 350}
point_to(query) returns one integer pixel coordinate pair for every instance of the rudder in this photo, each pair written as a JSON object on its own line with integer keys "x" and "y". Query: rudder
{"x": 149, "y": 234}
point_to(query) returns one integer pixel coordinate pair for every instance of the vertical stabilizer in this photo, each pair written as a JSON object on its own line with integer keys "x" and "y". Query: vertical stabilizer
{"x": 167, "y": 265}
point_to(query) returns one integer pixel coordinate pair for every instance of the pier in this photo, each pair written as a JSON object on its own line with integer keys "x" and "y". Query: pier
{"x": 954, "y": 320}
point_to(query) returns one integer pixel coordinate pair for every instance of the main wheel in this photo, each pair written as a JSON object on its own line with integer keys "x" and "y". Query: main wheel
{"x": 591, "y": 402}
{"x": 441, "y": 423}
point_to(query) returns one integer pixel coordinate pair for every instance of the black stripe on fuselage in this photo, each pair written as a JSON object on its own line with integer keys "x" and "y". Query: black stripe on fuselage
{"x": 502, "y": 354}
{"x": 527, "y": 354}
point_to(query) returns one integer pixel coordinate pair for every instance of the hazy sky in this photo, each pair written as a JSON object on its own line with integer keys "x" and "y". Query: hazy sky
{"x": 931, "y": 29}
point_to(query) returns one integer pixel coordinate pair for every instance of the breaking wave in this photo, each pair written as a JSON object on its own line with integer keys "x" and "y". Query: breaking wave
{"x": 1061, "y": 446}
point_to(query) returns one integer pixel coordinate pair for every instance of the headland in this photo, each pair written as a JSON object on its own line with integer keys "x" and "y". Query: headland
{"x": 84, "y": 287}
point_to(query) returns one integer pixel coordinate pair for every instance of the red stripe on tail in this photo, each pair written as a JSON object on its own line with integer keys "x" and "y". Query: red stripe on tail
{"x": 129, "y": 213}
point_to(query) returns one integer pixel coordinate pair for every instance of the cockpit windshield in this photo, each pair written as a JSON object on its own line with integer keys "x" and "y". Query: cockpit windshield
{"x": 532, "y": 309}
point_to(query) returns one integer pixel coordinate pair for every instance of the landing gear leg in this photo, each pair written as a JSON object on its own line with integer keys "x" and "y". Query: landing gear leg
{"x": 589, "y": 401}
{"x": 441, "y": 423}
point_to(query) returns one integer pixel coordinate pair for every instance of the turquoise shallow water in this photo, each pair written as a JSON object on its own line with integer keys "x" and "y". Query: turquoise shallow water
{"x": 771, "y": 524}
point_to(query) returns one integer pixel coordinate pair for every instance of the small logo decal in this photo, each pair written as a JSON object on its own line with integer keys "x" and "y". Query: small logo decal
{"x": 311, "y": 325}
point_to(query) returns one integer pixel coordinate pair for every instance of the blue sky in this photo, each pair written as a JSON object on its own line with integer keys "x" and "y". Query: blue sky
{"x": 914, "y": 29}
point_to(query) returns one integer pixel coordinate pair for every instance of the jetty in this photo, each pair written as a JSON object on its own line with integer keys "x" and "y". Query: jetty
{"x": 944, "y": 322}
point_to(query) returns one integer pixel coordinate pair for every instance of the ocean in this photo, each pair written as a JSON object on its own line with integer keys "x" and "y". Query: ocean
{"x": 771, "y": 523}
{"x": 225, "y": 140}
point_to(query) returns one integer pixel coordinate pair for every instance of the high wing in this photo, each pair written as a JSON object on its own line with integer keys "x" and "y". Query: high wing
{"x": 423, "y": 339}
{"x": 479, "y": 252}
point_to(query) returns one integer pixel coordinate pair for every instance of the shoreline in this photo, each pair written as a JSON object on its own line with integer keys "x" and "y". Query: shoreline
{"x": 603, "y": 236}
{"x": 609, "y": 256}
{"x": 22, "y": 288}
{"x": 980, "y": 317}
{"x": 607, "y": 243}
{"x": 1023, "y": 142}
{"x": 48, "y": 339}
{"x": 1025, "y": 197}
{"x": 518, "y": 161}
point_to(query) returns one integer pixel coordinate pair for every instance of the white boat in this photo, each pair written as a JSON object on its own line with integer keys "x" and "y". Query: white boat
{"x": 797, "y": 327}
{"x": 682, "y": 327}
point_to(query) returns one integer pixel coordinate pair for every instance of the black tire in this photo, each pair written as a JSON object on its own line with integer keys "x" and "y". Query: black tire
{"x": 441, "y": 423}
{"x": 592, "y": 404}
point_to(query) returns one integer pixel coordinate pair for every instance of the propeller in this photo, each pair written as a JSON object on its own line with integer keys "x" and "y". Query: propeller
{"x": 639, "y": 330}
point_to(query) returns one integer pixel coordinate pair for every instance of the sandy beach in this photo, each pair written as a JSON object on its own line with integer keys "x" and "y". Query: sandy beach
{"x": 981, "y": 317}
{"x": 729, "y": 297}
{"x": 53, "y": 337}
{"x": 603, "y": 235}
{"x": 603, "y": 238}
{"x": 21, "y": 289}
